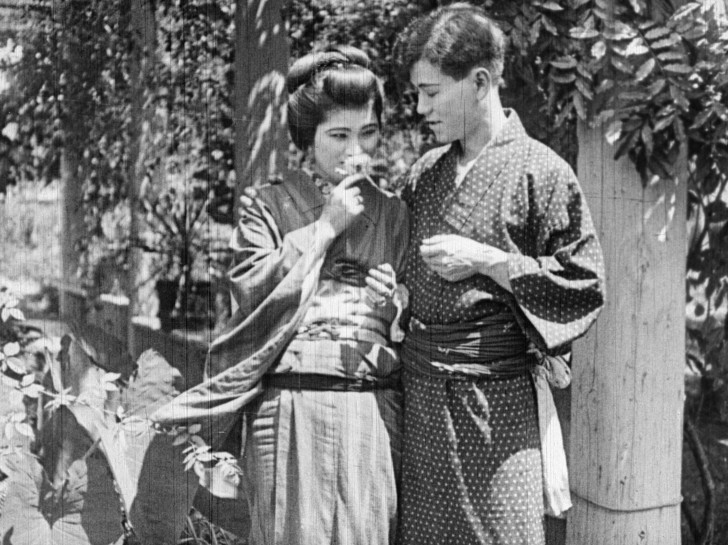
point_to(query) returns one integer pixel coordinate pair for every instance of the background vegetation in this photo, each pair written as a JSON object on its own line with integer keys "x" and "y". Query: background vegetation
{"x": 653, "y": 74}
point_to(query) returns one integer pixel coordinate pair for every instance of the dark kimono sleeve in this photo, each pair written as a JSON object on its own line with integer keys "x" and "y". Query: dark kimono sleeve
{"x": 264, "y": 256}
{"x": 560, "y": 290}
{"x": 272, "y": 281}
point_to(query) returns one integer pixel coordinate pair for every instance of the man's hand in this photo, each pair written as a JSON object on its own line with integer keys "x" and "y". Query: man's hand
{"x": 456, "y": 258}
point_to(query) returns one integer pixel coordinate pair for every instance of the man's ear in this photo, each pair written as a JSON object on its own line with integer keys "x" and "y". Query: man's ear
{"x": 483, "y": 80}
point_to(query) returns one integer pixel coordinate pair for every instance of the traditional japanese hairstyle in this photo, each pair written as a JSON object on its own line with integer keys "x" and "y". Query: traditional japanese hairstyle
{"x": 322, "y": 82}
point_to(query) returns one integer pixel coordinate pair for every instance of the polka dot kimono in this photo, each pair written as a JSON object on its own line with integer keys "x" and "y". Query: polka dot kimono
{"x": 460, "y": 485}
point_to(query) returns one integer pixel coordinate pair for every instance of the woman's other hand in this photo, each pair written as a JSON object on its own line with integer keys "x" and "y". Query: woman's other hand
{"x": 381, "y": 282}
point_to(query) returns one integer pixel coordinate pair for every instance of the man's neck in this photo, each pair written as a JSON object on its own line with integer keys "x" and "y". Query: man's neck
{"x": 494, "y": 118}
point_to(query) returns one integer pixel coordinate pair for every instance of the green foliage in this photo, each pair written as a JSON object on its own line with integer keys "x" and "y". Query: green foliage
{"x": 655, "y": 77}
{"x": 93, "y": 444}
{"x": 73, "y": 93}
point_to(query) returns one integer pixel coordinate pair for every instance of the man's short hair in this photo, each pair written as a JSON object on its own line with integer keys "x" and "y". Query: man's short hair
{"x": 455, "y": 38}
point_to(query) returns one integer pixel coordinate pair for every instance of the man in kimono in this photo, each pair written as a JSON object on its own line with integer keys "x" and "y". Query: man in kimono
{"x": 503, "y": 264}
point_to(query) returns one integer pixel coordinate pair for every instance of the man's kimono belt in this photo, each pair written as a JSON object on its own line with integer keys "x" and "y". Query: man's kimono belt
{"x": 494, "y": 347}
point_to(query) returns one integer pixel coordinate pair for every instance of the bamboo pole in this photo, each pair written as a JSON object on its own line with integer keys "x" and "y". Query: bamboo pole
{"x": 627, "y": 393}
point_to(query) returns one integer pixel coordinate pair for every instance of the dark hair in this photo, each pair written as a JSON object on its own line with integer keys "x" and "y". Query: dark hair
{"x": 456, "y": 39}
{"x": 322, "y": 82}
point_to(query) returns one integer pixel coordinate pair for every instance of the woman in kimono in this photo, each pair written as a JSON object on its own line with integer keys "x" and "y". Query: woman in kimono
{"x": 503, "y": 263}
{"x": 308, "y": 354}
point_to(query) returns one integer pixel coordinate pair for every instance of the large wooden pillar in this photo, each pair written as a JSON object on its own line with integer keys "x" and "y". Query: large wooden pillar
{"x": 74, "y": 124}
{"x": 261, "y": 63}
{"x": 142, "y": 64}
{"x": 627, "y": 392}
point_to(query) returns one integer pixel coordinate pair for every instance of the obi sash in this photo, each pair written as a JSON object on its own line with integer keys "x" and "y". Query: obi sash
{"x": 495, "y": 347}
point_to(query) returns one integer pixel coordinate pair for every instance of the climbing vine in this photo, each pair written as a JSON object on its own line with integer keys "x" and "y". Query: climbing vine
{"x": 655, "y": 77}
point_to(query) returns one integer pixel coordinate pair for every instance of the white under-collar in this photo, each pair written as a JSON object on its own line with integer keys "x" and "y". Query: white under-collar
{"x": 462, "y": 170}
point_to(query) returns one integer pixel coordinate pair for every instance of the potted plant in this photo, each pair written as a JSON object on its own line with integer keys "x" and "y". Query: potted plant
{"x": 189, "y": 251}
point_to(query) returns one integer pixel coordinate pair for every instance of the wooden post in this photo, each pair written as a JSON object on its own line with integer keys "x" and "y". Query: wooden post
{"x": 261, "y": 63}
{"x": 71, "y": 301}
{"x": 144, "y": 30}
{"x": 627, "y": 393}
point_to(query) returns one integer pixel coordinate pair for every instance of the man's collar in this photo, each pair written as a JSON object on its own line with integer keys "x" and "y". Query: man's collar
{"x": 511, "y": 130}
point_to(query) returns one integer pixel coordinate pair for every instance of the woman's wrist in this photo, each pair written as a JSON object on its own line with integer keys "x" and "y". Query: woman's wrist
{"x": 325, "y": 231}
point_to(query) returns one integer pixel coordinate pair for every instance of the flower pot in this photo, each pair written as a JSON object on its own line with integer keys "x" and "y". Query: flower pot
{"x": 193, "y": 310}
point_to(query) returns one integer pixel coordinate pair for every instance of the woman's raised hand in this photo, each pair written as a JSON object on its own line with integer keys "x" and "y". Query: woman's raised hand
{"x": 344, "y": 204}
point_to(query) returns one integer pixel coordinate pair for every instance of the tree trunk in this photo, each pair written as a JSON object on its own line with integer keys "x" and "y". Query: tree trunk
{"x": 627, "y": 393}
{"x": 261, "y": 64}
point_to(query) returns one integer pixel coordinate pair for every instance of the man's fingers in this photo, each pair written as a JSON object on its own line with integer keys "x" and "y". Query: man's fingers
{"x": 429, "y": 251}
{"x": 438, "y": 239}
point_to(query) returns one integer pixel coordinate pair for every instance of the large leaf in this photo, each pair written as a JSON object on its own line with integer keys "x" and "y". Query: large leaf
{"x": 154, "y": 463}
{"x": 80, "y": 496}
{"x": 107, "y": 351}
{"x": 81, "y": 510}
{"x": 153, "y": 384}
{"x": 147, "y": 468}
{"x": 22, "y": 522}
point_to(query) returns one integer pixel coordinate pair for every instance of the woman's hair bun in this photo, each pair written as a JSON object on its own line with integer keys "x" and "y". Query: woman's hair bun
{"x": 305, "y": 68}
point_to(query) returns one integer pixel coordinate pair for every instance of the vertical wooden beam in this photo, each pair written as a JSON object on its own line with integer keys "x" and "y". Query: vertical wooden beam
{"x": 144, "y": 41}
{"x": 71, "y": 303}
{"x": 261, "y": 64}
{"x": 627, "y": 393}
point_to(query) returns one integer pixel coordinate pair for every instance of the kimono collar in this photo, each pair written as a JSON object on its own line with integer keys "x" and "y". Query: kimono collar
{"x": 303, "y": 193}
{"x": 511, "y": 130}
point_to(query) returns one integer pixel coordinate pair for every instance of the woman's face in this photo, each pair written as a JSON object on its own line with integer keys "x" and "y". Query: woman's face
{"x": 344, "y": 133}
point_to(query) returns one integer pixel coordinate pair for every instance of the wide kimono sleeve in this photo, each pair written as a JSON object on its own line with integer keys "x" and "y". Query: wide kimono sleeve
{"x": 264, "y": 255}
{"x": 274, "y": 281}
{"x": 559, "y": 288}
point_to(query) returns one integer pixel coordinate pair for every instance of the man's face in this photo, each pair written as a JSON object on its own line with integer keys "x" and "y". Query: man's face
{"x": 448, "y": 105}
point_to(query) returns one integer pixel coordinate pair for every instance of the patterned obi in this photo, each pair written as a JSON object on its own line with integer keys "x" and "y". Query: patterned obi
{"x": 494, "y": 347}
{"x": 341, "y": 336}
